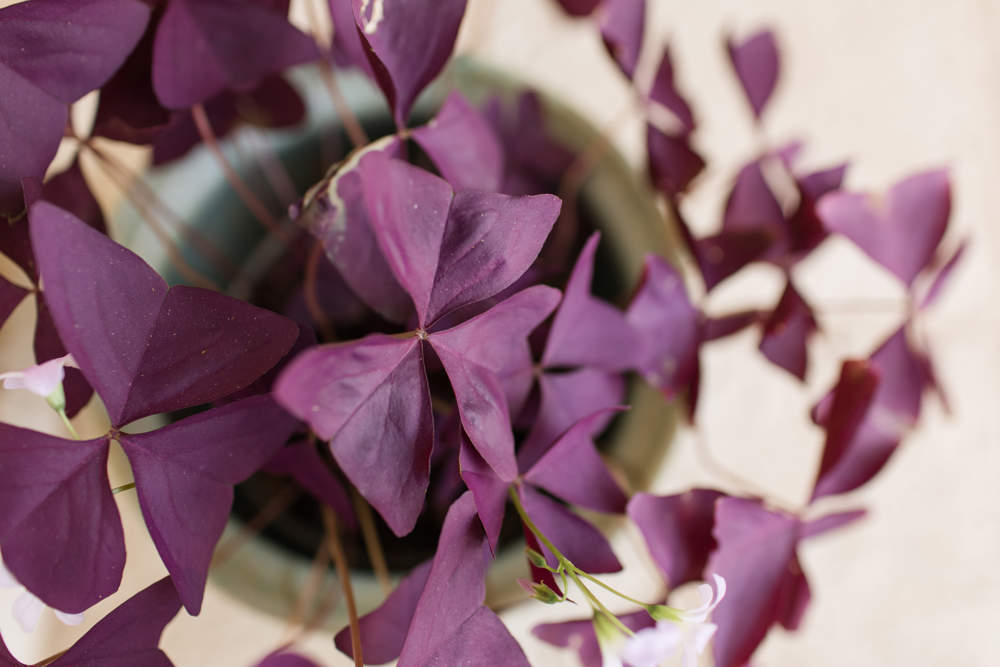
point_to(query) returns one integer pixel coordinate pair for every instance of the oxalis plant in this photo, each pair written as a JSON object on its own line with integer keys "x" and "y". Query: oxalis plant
{"x": 436, "y": 358}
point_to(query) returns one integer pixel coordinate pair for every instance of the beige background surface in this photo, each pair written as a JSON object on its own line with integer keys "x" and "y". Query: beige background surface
{"x": 894, "y": 87}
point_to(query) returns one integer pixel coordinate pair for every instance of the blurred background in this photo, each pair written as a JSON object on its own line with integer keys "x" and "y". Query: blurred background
{"x": 892, "y": 87}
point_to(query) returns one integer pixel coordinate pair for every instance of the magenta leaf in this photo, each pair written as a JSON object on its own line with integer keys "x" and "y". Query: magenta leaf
{"x": 383, "y": 631}
{"x": 482, "y": 407}
{"x": 902, "y": 232}
{"x": 488, "y": 491}
{"x": 670, "y": 328}
{"x": 300, "y": 461}
{"x": 751, "y": 203}
{"x": 830, "y": 522}
{"x": 587, "y": 331}
{"x": 786, "y": 332}
{"x": 764, "y": 581}
{"x": 943, "y": 276}
{"x": 846, "y": 434}
{"x": 622, "y": 27}
{"x": 664, "y": 91}
{"x": 448, "y": 622}
{"x": 576, "y": 538}
{"x": 69, "y": 191}
{"x": 722, "y": 326}
{"x": 721, "y": 255}
{"x": 184, "y": 475}
{"x": 756, "y": 63}
{"x": 129, "y": 635}
{"x": 580, "y": 636}
{"x": 879, "y": 401}
{"x": 573, "y": 470}
{"x": 204, "y": 47}
{"x": 336, "y": 215}
{"x": 804, "y": 229}
{"x": 409, "y": 43}
{"x": 450, "y": 250}
{"x": 566, "y": 398}
{"x": 497, "y": 339}
{"x": 678, "y": 531}
{"x": 144, "y": 348}
{"x": 579, "y": 7}
{"x": 673, "y": 163}
{"x": 286, "y": 659}
{"x": 464, "y": 147}
{"x": 345, "y": 392}
{"x": 59, "y": 531}
{"x": 348, "y": 48}
{"x": 53, "y": 52}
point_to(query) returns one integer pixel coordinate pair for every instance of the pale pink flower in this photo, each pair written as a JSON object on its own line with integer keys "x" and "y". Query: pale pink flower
{"x": 42, "y": 379}
{"x": 28, "y": 609}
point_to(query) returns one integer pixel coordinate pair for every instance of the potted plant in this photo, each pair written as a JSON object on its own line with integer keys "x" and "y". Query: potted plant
{"x": 417, "y": 344}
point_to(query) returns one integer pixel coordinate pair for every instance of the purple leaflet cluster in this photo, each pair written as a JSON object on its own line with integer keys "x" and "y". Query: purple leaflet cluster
{"x": 145, "y": 349}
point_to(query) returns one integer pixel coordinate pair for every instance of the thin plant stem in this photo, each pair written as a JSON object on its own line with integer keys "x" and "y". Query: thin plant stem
{"x": 307, "y": 596}
{"x": 592, "y": 578}
{"x": 311, "y": 295}
{"x": 133, "y": 184}
{"x": 355, "y": 131}
{"x": 566, "y": 565}
{"x": 340, "y": 560}
{"x": 274, "y": 507}
{"x": 372, "y": 544}
{"x": 67, "y": 423}
{"x": 252, "y": 202}
{"x": 124, "y": 487}
{"x": 174, "y": 255}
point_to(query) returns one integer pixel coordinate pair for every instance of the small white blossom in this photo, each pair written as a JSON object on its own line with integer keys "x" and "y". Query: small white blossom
{"x": 684, "y": 630}
{"x": 41, "y": 379}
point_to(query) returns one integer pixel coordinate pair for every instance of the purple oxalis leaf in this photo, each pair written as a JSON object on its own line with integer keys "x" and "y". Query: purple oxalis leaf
{"x": 346, "y": 392}
{"x": 464, "y": 147}
{"x": 943, "y": 276}
{"x": 622, "y": 27}
{"x": 572, "y": 469}
{"x": 383, "y": 631}
{"x": 488, "y": 491}
{"x": 721, "y": 255}
{"x": 48, "y": 345}
{"x": 61, "y": 485}
{"x": 440, "y": 607}
{"x": 497, "y": 339}
{"x": 579, "y": 7}
{"x": 677, "y": 530}
{"x": 786, "y": 332}
{"x": 757, "y": 555}
{"x": 450, "y": 250}
{"x": 300, "y": 461}
{"x": 751, "y": 203}
{"x": 669, "y": 325}
{"x": 587, "y": 331}
{"x": 335, "y": 213}
{"x": 903, "y": 231}
{"x": 879, "y": 401}
{"x": 184, "y": 475}
{"x": 144, "y": 348}
{"x": 673, "y": 163}
{"x": 409, "y": 43}
{"x": 53, "y": 52}
{"x": 575, "y": 537}
{"x": 565, "y": 398}
{"x": 664, "y": 91}
{"x": 130, "y": 634}
{"x": 580, "y": 636}
{"x": 756, "y": 63}
{"x": 204, "y": 47}
{"x": 348, "y": 48}
{"x": 286, "y": 659}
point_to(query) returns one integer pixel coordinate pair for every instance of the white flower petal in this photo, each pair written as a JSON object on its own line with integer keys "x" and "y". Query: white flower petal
{"x": 41, "y": 379}
{"x": 68, "y": 619}
{"x": 651, "y": 646}
{"x": 700, "y": 613}
{"x": 27, "y": 610}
